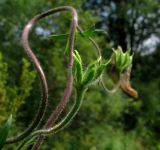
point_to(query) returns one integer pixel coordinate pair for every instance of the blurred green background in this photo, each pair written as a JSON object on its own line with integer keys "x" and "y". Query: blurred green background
{"x": 105, "y": 121}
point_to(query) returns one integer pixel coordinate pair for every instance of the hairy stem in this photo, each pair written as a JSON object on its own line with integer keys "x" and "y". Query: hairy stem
{"x": 55, "y": 114}
{"x": 62, "y": 124}
{"x": 43, "y": 105}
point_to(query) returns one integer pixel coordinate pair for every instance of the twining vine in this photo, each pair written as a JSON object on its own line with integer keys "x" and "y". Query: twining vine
{"x": 77, "y": 76}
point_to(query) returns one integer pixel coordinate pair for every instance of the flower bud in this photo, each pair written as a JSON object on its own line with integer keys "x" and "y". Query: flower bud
{"x": 122, "y": 59}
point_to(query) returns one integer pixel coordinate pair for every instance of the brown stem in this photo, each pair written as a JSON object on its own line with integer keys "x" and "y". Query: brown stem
{"x": 43, "y": 105}
{"x": 44, "y": 87}
{"x": 55, "y": 114}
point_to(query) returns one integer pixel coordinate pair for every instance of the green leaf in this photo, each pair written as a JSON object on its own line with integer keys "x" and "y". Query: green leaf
{"x": 77, "y": 67}
{"x": 4, "y": 132}
{"x": 129, "y": 61}
{"x": 60, "y": 36}
{"x": 100, "y": 69}
{"x": 74, "y": 70}
{"x": 89, "y": 74}
{"x": 86, "y": 34}
{"x": 121, "y": 57}
{"x": 116, "y": 56}
{"x": 78, "y": 56}
{"x": 67, "y": 46}
{"x": 90, "y": 32}
{"x": 126, "y": 58}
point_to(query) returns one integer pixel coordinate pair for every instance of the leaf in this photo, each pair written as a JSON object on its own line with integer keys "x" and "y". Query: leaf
{"x": 4, "y": 132}
{"x": 116, "y": 56}
{"x": 77, "y": 68}
{"x": 100, "y": 69}
{"x": 128, "y": 61}
{"x": 60, "y": 36}
{"x": 90, "y": 32}
{"x": 67, "y": 46}
{"x": 121, "y": 58}
{"x": 89, "y": 74}
{"x": 127, "y": 56}
{"x": 86, "y": 34}
{"x": 78, "y": 56}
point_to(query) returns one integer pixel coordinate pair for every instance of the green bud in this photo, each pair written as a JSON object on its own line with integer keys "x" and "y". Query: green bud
{"x": 120, "y": 56}
{"x": 122, "y": 60}
{"x": 128, "y": 60}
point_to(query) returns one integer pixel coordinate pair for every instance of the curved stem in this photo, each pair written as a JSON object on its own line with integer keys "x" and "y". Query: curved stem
{"x": 62, "y": 124}
{"x": 113, "y": 90}
{"x": 93, "y": 42}
{"x": 55, "y": 114}
{"x": 42, "y": 107}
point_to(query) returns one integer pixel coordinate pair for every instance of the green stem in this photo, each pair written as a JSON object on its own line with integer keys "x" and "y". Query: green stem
{"x": 72, "y": 113}
{"x": 62, "y": 124}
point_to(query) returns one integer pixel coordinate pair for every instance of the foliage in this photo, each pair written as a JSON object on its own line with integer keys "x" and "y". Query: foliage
{"x": 12, "y": 97}
{"x": 3, "y": 92}
{"x": 128, "y": 23}
{"x": 4, "y": 132}
{"x": 105, "y": 121}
